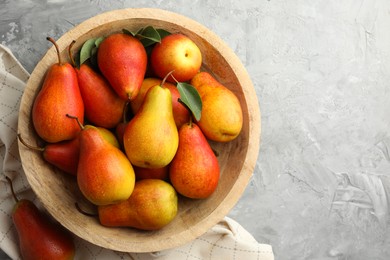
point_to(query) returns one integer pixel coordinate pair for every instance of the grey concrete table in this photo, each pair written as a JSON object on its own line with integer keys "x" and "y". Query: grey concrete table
{"x": 321, "y": 70}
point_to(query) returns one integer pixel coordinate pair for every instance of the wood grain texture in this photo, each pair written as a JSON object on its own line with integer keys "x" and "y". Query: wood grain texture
{"x": 58, "y": 192}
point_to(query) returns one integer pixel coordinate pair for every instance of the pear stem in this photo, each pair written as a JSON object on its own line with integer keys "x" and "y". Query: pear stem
{"x": 56, "y": 46}
{"x": 70, "y": 53}
{"x": 77, "y": 119}
{"x": 177, "y": 82}
{"x": 124, "y": 113}
{"x": 12, "y": 189}
{"x": 36, "y": 148}
{"x": 166, "y": 76}
{"x": 79, "y": 209}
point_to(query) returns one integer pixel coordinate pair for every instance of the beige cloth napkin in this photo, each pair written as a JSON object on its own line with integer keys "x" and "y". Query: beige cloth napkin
{"x": 226, "y": 240}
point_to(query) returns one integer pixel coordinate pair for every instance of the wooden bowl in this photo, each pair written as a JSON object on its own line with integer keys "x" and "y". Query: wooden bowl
{"x": 58, "y": 192}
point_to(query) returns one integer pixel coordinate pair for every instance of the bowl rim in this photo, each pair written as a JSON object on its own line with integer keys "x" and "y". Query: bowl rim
{"x": 254, "y": 131}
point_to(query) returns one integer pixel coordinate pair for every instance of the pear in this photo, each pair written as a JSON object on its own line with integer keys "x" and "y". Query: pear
{"x": 122, "y": 59}
{"x": 151, "y": 137}
{"x": 109, "y": 136}
{"x": 151, "y": 173}
{"x": 63, "y": 155}
{"x": 194, "y": 171}
{"x": 178, "y": 53}
{"x": 119, "y": 129}
{"x": 59, "y": 95}
{"x": 181, "y": 114}
{"x": 104, "y": 174}
{"x": 221, "y": 118}
{"x": 103, "y": 106}
{"x": 40, "y": 237}
{"x": 152, "y": 205}
{"x": 204, "y": 77}
{"x": 147, "y": 83}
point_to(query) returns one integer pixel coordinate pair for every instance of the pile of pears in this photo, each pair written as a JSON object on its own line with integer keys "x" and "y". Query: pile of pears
{"x": 125, "y": 135}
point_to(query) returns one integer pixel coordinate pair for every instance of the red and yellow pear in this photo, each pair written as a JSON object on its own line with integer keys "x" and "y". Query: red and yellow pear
{"x": 194, "y": 171}
{"x": 63, "y": 155}
{"x": 59, "y": 95}
{"x": 104, "y": 174}
{"x": 122, "y": 59}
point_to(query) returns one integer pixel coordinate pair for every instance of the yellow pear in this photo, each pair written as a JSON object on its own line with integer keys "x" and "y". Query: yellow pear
{"x": 181, "y": 114}
{"x": 221, "y": 119}
{"x": 151, "y": 137}
{"x": 152, "y": 205}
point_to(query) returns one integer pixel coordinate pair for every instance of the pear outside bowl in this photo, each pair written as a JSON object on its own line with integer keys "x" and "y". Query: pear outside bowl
{"x": 58, "y": 192}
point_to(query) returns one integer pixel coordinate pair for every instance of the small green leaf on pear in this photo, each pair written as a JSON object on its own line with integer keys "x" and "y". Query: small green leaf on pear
{"x": 191, "y": 98}
{"x": 86, "y": 50}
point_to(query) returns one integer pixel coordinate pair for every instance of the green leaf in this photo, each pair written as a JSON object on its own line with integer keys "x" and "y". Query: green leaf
{"x": 86, "y": 50}
{"x": 77, "y": 59}
{"x": 191, "y": 98}
{"x": 125, "y": 31}
{"x": 149, "y": 36}
{"x": 162, "y": 33}
{"x": 98, "y": 41}
{"x": 89, "y": 50}
{"x": 94, "y": 51}
{"x": 93, "y": 58}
